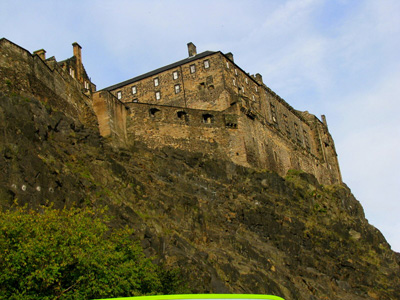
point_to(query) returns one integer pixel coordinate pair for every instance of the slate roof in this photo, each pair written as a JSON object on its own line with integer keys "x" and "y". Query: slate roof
{"x": 162, "y": 69}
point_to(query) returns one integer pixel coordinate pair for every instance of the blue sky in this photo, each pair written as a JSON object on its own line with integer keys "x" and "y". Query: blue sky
{"x": 338, "y": 58}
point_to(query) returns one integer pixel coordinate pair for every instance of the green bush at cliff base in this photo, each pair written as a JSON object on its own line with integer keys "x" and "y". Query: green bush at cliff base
{"x": 73, "y": 254}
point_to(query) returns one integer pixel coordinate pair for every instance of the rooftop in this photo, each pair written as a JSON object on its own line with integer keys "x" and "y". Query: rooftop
{"x": 162, "y": 69}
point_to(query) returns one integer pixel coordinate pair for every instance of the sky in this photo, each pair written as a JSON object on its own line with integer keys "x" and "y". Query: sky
{"x": 340, "y": 58}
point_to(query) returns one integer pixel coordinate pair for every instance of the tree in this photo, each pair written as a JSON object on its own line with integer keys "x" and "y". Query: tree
{"x": 73, "y": 254}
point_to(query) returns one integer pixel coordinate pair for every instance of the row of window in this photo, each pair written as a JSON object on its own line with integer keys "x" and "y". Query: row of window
{"x": 236, "y": 73}
{"x": 206, "y": 118}
{"x": 177, "y": 89}
{"x": 175, "y": 76}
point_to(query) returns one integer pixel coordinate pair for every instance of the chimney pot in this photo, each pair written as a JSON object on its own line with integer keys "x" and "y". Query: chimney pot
{"x": 191, "y": 49}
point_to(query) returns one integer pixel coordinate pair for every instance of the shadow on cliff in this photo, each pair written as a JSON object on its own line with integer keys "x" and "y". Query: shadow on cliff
{"x": 229, "y": 228}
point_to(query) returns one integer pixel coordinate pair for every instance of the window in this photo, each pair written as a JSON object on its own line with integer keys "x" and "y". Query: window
{"x": 177, "y": 88}
{"x": 236, "y": 72}
{"x": 273, "y": 113}
{"x": 254, "y": 99}
{"x": 136, "y": 100}
{"x": 243, "y": 90}
{"x": 192, "y": 68}
{"x": 134, "y": 90}
{"x": 182, "y": 115}
{"x": 119, "y": 95}
{"x": 306, "y": 142}
{"x": 156, "y": 82}
{"x": 256, "y": 89}
{"x": 154, "y": 112}
{"x": 246, "y": 80}
{"x": 86, "y": 85}
{"x": 227, "y": 65}
{"x": 234, "y": 82}
{"x": 208, "y": 119}
{"x": 206, "y": 64}
{"x": 286, "y": 122}
{"x": 72, "y": 72}
{"x": 175, "y": 75}
{"x": 158, "y": 95}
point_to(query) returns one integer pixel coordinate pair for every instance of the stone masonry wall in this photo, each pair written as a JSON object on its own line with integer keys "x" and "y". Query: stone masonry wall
{"x": 27, "y": 74}
{"x": 210, "y": 132}
{"x": 111, "y": 115}
{"x": 202, "y": 89}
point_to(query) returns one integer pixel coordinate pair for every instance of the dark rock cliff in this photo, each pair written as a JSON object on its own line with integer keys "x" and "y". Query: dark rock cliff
{"x": 229, "y": 228}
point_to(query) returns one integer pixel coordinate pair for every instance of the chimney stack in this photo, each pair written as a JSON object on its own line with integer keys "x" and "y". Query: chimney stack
{"x": 259, "y": 78}
{"x": 78, "y": 54}
{"x": 324, "y": 120}
{"x": 230, "y": 56}
{"x": 77, "y": 51}
{"x": 191, "y": 49}
{"x": 41, "y": 53}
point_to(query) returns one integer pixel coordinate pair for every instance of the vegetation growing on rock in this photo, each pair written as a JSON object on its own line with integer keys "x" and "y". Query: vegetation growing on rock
{"x": 228, "y": 228}
{"x": 72, "y": 254}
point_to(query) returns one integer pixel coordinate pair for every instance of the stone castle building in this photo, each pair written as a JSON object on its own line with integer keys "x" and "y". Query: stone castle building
{"x": 206, "y": 103}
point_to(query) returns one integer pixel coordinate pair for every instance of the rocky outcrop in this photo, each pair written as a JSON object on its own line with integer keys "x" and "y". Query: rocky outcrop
{"x": 229, "y": 228}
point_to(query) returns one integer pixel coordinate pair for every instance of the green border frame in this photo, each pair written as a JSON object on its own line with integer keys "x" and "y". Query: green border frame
{"x": 199, "y": 296}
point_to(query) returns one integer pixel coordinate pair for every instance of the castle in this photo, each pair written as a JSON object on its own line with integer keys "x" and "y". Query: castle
{"x": 203, "y": 103}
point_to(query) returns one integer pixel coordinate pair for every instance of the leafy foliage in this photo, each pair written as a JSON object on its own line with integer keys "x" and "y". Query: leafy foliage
{"x": 72, "y": 254}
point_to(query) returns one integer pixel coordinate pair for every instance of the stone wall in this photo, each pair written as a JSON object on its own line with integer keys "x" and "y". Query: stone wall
{"x": 211, "y": 132}
{"x": 218, "y": 109}
{"x": 28, "y": 75}
{"x": 111, "y": 115}
{"x": 231, "y": 134}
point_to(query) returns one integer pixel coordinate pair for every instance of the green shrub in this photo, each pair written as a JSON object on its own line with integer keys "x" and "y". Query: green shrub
{"x": 72, "y": 254}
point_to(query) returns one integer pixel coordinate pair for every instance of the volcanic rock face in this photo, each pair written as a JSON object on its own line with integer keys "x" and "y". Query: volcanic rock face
{"x": 230, "y": 229}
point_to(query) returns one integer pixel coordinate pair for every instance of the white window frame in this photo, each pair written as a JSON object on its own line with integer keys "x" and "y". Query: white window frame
{"x": 234, "y": 82}
{"x": 227, "y": 65}
{"x": 158, "y": 95}
{"x": 206, "y": 64}
{"x": 192, "y": 69}
{"x": 236, "y": 72}
{"x": 246, "y": 80}
{"x": 175, "y": 75}
{"x": 119, "y": 95}
{"x": 156, "y": 81}
{"x": 134, "y": 90}
{"x": 177, "y": 88}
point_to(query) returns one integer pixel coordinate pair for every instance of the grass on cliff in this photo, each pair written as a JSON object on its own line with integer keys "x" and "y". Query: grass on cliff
{"x": 73, "y": 254}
